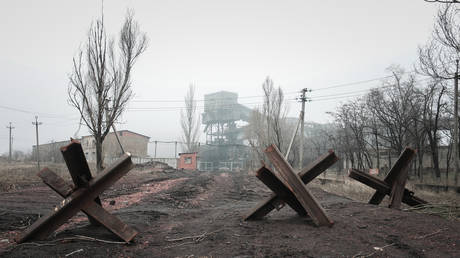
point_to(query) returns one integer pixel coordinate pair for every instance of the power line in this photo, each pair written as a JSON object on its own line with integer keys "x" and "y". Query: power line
{"x": 48, "y": 115}
{"x": 335, "y": 98}
{"x": 227, "y": 106}
{"x": 353, "y": 83}
{"x": 202, "y": 100}
{"x": 345, "y": 93}
{"x": 341, "y": 95}
{"x": 352, "y": 93}
{"x": 312, "y": 98}
{"x": 359, "y": 82}
{"x": 63, "y": 124}
{"x": 414, "y": 71}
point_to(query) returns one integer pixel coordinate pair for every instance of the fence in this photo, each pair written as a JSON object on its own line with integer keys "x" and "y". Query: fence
{"x": 223, "y": 166}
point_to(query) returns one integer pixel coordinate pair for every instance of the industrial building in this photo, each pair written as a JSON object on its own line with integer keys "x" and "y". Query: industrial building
{"x": 132, "y": 142}
{"x": 223, "y": 118}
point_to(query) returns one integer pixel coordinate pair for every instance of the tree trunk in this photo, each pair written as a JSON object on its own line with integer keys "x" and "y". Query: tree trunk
{"x": 99, "y": 157}
{"x": 389, "y": 161}
{"x": 352, "y": 160}
{"x": 448, "y": 157}
{"x": 420, "y": 165}
{"x": 377, "y": 150}
{"x": 457, "y": 172}
{"x": 435, "y": 157}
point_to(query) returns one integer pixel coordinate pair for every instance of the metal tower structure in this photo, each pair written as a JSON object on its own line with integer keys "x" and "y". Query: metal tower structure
{"x": 221, "y": 113}
{"x": 224, "y": 137}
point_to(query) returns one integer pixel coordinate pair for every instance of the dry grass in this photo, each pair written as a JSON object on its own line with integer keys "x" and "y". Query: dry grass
{"x": 451, "y": 212}
{"x": 431, "y": 179}
{"x": 345, "y": 186}
{"x": 444, "y": 204}
{"x": 15, "y": 174}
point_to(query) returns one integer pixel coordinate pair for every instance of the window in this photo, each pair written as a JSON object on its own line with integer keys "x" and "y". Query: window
{"x": 188, "y": 160}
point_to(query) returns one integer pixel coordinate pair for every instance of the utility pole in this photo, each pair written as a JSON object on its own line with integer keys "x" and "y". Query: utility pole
{"x": 107, "y": 110}
{"x": 11, "y": 142}
{"x": 36, "y": 123}
{"x": 156, "y": 142}
{"x": 456, "y": 123}
{"x": 286, "y": 156}
{"x": 303, "y": 99}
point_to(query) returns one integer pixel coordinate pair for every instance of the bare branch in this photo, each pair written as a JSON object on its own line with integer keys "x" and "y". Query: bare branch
{"x": 100, "y": 77}
{"x": 437, "y": 57}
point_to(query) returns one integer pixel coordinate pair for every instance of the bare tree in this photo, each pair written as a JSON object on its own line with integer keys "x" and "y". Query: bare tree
{"x": 255, "y": 133}
{"x": 353, "y": 118}
{"x": 278, "y": 119}
{"x": 443, "y": 1}
{"x": 384, "y": 118}
{"x": 267, "y": 124}
{"x": 393, "y": 108}
{"x": 268, "y": 88}
{"x": 434, "y": 105}
{"x": 190, "y": 121}
{"x": 101, "y": 77}
{"x": 437, "y": 58}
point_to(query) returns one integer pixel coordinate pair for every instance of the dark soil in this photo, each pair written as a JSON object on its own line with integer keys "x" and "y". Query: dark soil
{"x": 199, "y": 214}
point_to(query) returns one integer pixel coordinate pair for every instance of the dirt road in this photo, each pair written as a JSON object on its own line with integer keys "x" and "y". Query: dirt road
{"x": 199, "y": 214}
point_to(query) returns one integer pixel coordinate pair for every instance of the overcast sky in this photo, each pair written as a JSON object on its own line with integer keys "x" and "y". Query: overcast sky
{"x": 217, "y": 45}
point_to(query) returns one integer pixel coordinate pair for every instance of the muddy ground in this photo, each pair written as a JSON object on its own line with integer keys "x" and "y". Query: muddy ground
{"x": 199, "y": 214}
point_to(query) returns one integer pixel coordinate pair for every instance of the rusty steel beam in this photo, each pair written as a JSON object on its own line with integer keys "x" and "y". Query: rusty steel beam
{"x": 381, "y": 186}
{"x": 55, "y": 182}
{"x": 401, "y": 164}
{"x": 79, "y": 199}
{"x": 411, "y": 200}
{"x": 369, "y": 180}
{"x": 315, "y": 168}
{"x": 263, "y": 208}
{"x": 397, "y": 189}
{"x": 270, "y": 179}
{"x": 295, "y": 184}
{"x": 307, "y": 174}
{"x": 77, "y": 165}
{"x": 75, "y": 160}
{"x": 93, "y": 210}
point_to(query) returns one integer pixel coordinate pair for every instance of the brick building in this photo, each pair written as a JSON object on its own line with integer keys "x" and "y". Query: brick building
{"x": 50, "y": 152}
{"x": 134, "y": 143}
{"x": 187, "y": 161}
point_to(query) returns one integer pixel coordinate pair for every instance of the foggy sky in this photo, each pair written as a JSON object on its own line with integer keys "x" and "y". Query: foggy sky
{"x": 216, "y": 45}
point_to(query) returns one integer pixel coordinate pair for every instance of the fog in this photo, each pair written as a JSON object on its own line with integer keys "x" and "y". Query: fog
{"x": 216, "y": 45}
